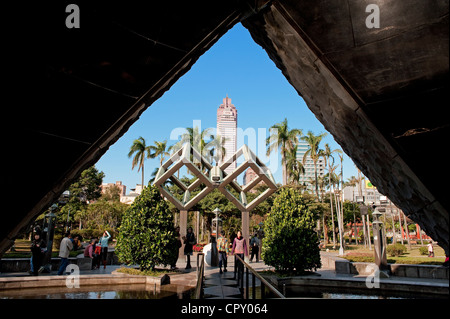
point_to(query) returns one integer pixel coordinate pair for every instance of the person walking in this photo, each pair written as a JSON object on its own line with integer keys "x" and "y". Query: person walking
{"x": 223, "y": 249}
{"x": 430, "y": 249}
{"x": 239, "y": 249}
{"x": 173, "y": 264}
{"x": 38, "y": 248}
{"x": 104, "y": 244}
{"x": 97, "y": 255}
{"x": 64, "y": 250}
{"x": 254, "y": 244}
{"x": 189, "y": 242}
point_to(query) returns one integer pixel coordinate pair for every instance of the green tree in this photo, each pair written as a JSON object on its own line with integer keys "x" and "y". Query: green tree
{"x": 140, "y": 151}
{"x": 285, "y": 139}
{"x": 147, "y": 235}
{"x": 104, "y": 214}
{"x": 85, "y": 189}
{"x": 290, "y": 241}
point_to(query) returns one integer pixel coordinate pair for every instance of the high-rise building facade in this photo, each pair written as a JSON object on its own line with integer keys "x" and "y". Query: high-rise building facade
{"x": 309, "y": 176}
{"x": 227, "y": 130}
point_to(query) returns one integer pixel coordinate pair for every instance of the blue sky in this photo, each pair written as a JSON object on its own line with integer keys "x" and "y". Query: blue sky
{"x": 236, "y": 66}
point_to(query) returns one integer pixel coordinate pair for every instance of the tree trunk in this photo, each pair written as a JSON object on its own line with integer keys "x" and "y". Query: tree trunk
{"x": 332, "y": 219}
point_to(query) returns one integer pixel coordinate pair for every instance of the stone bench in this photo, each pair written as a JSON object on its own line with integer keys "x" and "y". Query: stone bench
{"x": 84, "y": 263}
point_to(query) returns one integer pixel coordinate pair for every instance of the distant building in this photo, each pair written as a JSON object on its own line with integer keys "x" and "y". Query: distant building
{"x": 371, "y": 196}
{"x": 305, "y": 179}
{"x": 250, "y": 175}
{"x": 134, "y": 192}
{"x": 124, "y": 198}
{"x": 118, "y": 184}
{"x": 227, "y": 128}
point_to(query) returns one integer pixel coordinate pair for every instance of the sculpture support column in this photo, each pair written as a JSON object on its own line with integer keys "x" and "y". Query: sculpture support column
{"x": 183, "y": 229}
{"x": 245, "y": 231}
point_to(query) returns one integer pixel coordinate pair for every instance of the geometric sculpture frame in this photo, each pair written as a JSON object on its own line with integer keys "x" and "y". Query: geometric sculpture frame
{"x": 182, "y": 158}
{"x": 173, "y": 164}
{"x": 263, "y": 174}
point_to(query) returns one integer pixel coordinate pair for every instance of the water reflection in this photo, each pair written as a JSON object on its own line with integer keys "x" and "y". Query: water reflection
{"x": 333, "y": 293}
{"x": 136, "y": 291}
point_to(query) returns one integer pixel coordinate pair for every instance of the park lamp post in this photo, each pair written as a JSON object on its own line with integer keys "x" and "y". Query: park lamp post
{"x": 217, "y": 223}
{"x": 363, "y": 211}
{"x": 379, "y": 240}
{"x": 340, "y": 220}
{"x": 50, "y": 230}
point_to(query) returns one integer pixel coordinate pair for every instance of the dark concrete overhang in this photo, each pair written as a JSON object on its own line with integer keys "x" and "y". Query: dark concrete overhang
{"x": 382, "y": 93}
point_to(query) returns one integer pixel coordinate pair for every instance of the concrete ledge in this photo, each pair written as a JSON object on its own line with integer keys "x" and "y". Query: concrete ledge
{"x": 115, "y": 278}
{"x": 420, "y": 271}
{"x": 23, "y": 264}
{"x": 329, "y": 260}
{"x": 159, "y": 280}
{"x": 84, "y": 263}
{"x": 399, "y": 270}
{"x": 352, "y": 283}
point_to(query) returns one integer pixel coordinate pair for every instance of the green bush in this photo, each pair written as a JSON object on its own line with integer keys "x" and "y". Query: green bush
{"x": 423, "y": 250}
{"x": 147, "y": 236}
{"x": 396, "y": 250}
{"x": 290, "y": 241}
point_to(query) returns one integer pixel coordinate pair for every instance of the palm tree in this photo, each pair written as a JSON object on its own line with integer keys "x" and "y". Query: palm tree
{"x": 294, "y": 167}
{"x": 284, "y": 139}
{"x": 203, "y": 142}
{"x": 314, "y": 152}
{"x": 140, "y": 151}
{"x": 351, "y": 181}
{"x": 216, "y": 147}
{"x": 328, "y": 157}
{"x": 159, "y": 149}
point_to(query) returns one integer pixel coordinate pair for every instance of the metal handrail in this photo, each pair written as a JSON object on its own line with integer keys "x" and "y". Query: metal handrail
{"x": 264, "y": 282}
{"x": 200, "y": 273}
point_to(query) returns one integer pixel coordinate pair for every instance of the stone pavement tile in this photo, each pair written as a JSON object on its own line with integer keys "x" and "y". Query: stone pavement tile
{"x": 225, "y": 282}
{"x": 230, "y": 291}
{"x": 212, "y": 281}
{"x": 215, "y": 290}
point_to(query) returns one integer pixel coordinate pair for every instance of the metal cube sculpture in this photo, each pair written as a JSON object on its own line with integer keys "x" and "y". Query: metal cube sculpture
{"x": 219, "y": 180}
{"x": 172, "y": 165}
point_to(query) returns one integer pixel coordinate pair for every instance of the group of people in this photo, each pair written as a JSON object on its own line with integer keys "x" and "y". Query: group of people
{"x": 239, "y": 248}
{"x": 97, "y": 250}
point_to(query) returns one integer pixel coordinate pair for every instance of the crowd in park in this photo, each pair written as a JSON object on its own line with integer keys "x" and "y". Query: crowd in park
{"x": 97, "y": 250}
{"x": 238, "y": 248}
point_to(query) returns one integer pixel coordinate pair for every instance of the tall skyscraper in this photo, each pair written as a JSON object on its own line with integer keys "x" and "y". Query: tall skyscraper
{"x": 309, "y": 176}
{"x": 227, "y": 129}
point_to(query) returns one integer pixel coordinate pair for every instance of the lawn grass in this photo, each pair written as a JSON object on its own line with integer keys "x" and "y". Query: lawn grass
{"x": 412, "y": 256}
{"x": 154, "y": 273}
